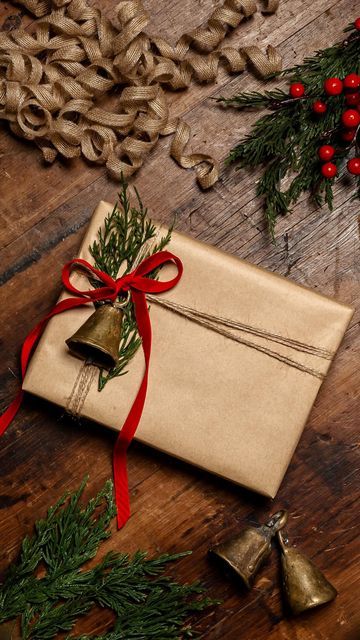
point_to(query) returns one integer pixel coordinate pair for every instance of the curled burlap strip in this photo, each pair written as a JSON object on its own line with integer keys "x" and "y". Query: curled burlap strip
{"x": 51, "y": 80}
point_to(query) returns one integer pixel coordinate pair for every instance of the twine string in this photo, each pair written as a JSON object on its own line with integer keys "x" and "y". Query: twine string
{"x": 51, "y": 80}
{"x": 81, "y": 388}
{"x": 221, "y": 325}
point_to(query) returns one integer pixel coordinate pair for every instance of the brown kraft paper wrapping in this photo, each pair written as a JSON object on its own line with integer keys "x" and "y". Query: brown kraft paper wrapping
{"x": 221, "y": 405}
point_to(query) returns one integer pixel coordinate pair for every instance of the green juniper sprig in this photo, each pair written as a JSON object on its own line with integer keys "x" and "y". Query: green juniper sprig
{"x": 286, "y": 141}
{"x": 49, "y": 589}
{"x": 119, "y": 245}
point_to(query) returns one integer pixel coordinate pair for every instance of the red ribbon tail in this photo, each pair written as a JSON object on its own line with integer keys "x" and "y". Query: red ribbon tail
{"x": 138, "y": 284}
{"x": 131, "y": 423}
{"x": 121, "y": 484}
{"x": 10, "y": 412}
{"x": 26, "y": 351}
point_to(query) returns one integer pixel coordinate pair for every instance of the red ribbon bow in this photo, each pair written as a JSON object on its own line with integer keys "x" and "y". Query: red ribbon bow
{"x": 138, "y": 284}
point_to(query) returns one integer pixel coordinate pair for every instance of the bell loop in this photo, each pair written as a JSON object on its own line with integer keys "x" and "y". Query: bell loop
{"x": 283, "y": 542}
{"x": 277, "y": 521}
{"x": 121, "y": 304}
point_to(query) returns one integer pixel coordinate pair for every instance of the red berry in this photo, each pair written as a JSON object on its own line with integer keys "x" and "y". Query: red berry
{"x": 352, "y": 81}
{"x": 352, "y": 99}
{"x": 357, "y": 24}
{"x": 326, "y": 152}
{"x": 333, "y": 86}
{"x": 348, "y": 135}
{"x": 350, "y": 118}
{"x": 353, "y": 166}
{"x": 329, "y": 170}
{"x": 297, "y": 90}
{"x": 319, "y": 106}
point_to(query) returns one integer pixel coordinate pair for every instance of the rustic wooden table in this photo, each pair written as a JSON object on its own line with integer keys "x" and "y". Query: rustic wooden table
{"x": 44, "y": 211}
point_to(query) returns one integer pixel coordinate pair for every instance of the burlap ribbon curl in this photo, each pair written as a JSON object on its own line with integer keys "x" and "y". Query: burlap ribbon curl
{"x": 52, "y": 78}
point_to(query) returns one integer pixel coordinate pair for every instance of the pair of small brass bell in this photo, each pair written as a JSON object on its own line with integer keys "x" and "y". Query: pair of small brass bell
{"x": 98, "y": 339}
{"x": 304, "y": 584}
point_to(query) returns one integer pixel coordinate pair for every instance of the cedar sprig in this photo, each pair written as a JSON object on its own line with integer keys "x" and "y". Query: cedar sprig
{"x": 67, "y": 538}
{"x": 127, "y": 229}
{"x": 285, "y": 142}
{"x": 49, "y": 588}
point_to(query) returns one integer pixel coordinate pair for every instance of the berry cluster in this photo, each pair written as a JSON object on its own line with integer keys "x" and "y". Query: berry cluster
{"x": 308, "y": 137}
{"x": 350, "y": 118}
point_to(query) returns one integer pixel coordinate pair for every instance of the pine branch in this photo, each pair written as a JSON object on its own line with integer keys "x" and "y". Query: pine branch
{"x": 146, "y": 603}
{"x": 285, "y": 143}
{"x": 255, "y": 99}
{"x": 122, "y": 242}
{"x": 66, "y": 539}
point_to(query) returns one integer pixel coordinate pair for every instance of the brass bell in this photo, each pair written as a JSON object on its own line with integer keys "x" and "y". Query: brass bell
{"x": 244, "y": 554}
{"x": 98, "y": 339}
{"x": 305, "y": 585}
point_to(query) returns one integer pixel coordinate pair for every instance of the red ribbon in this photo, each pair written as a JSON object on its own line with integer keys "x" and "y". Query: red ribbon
{"x": 138, "y": 284}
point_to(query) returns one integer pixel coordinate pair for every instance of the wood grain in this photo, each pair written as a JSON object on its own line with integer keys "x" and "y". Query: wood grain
{"x": 43, "y": 214}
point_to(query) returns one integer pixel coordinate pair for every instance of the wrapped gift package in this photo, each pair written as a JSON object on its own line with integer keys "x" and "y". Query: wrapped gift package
{"x": 238, "y": 358}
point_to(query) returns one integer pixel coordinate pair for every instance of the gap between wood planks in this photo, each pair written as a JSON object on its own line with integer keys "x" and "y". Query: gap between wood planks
{"x": 39, "y": 253}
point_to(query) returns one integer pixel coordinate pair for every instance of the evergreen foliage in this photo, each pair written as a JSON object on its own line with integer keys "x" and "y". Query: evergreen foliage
{"x": 125, "y": 239}
{"x": 48, "y": 588}
{"x": 285, "y": 142}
